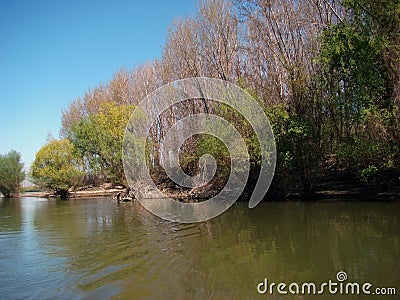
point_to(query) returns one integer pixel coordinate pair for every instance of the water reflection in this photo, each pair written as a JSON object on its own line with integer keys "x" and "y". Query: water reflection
{"x": 97, "y": 249}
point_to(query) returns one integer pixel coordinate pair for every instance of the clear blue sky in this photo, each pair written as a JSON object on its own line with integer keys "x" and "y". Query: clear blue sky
{"x": 51, "y": 52}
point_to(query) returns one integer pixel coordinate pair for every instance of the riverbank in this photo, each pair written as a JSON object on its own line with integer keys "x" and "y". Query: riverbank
{"x": 323, "y": 195}
{"x": 329, "y": 190}
{"x": 87, "y": 193}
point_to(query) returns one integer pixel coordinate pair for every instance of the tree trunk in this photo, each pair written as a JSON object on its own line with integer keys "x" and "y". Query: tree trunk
{"x": 63, "y": 193}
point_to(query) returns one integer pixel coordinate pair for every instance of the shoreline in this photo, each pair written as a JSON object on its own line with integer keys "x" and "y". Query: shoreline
{"x": 333, "y": 195}
{"x": 92, "y": 193}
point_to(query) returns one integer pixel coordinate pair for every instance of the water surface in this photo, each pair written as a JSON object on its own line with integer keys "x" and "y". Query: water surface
{"x": 98, "y": 249}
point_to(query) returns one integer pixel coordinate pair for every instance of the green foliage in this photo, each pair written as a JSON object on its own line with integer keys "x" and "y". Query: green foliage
{"x": 356, "y": 74}
{"x": 246, "y": 132}
{"x": 98, "y": 138}
{"x": 298, "y": 152}
{"x": 56, "y": 166}
{"x": 363, "y": 154}
{"x": 218, "y": 147}
{"x": 379, "y": 17}
{"x": 208, "y": 144}
{"x": 11, "y": 173}
{"x": 357, "y": 58}
{"x": 333, "y": 105}
{"x": 215, "y": 147}
{"x": 368, "y": 172}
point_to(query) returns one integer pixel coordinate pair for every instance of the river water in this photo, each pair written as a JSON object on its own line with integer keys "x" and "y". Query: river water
{"x": 99, "y": 249}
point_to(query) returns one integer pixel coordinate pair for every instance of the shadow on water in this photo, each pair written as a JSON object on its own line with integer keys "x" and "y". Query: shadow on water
{"x": 98, "y": 249}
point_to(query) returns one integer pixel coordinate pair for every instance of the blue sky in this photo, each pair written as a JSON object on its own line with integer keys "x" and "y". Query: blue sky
{"x": 51, "y": 52}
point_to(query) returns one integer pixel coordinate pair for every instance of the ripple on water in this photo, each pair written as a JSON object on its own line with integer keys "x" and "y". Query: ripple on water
{"x": 97, "y": 249}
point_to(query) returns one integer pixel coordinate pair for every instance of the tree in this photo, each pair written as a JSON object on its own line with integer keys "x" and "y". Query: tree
{"x": 326, "y": 73}
{"x": 11, "y": 173}
{"x": 279, "y": 67}
{"x": 379, "y": 23}
{"x": 98, "y": 138}
{"x": 56, "y": 167}
{"x": 359, "y": 57}
{"x": 204, "y": 45}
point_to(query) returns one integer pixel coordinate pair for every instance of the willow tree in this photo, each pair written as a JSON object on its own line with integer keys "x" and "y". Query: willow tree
{"x": 11, "y": 173}
{"x": 97, "y": 138}
{"x": 56, "y": 167}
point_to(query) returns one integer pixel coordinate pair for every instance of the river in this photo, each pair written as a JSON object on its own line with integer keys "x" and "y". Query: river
{"x": 99, "y": 249}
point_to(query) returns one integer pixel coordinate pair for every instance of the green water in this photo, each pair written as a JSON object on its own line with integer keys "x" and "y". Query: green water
{"x": 98, "y": 249}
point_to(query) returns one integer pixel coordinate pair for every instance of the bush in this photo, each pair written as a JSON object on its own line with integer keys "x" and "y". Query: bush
{"x": 11, "y": 173}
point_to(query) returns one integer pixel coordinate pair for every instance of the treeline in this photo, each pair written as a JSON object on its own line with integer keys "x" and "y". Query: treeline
{"x": 326, "y": 72}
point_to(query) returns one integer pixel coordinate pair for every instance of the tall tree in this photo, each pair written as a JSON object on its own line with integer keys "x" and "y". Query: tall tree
{"x": 360, "y": 57}
{"x": 279, "y": 49}
{"x": 11, "y": 173}
{"x": 56, "y": 167}
{"x": 98, "y": 140}
{"x": 206, "y": 44}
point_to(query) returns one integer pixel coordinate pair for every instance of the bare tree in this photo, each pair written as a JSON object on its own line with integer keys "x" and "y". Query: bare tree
{"x": 218, "y": 31}
{"x": 281, "y": 45}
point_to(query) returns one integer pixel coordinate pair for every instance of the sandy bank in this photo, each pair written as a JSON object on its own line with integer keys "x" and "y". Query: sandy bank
{"x": 93, "y": 192}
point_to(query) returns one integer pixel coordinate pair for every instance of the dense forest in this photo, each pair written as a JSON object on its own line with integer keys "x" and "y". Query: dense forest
{"x": 326, "y": 72}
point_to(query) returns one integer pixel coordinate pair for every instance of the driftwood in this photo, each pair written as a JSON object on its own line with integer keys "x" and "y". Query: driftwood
{"x": 125, "y": 196}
